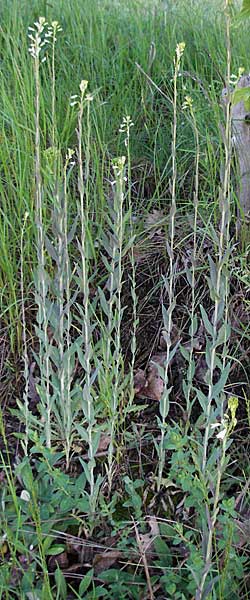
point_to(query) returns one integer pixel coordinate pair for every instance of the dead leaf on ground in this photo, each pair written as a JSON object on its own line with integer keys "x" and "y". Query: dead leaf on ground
{"x": 157, "y": 359}
{"x": 149, "y": 384}
{"x": 58, "y": 560}
{"x": 155, "y": 383}
{"x": 103, "y": 561}
{"x": 152, "y": 389}
{"x": 243, "y": 532}
{"x": 80, "y": 548}
{"x": 154, "y": 218}
{"x": 17, "y": 571}
{"x": 140, "y": 381}
{"x": 104, "y": 442}
{"x": 33, "y": 394}
{"x": 147, "y": 539}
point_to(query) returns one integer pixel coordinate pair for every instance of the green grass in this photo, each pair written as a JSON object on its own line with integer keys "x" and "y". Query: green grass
{"x": 96, "y": 466}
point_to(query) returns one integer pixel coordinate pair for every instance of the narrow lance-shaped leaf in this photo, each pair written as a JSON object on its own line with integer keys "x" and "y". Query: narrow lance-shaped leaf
{"x": 219, "y": 386}
{"x": 202, "y": 400}
{"x": 205, "y": 319}
{"x": 193, "y": 325}
{"x": 104, "y": 303}
{"x": 164, "y": 403}
{"x": 213, "y": 271}
{"x": 51, "y": 250}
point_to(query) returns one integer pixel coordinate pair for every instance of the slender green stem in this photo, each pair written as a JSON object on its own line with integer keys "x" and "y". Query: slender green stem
{"x": 164, "y": 403}
{"x": 188, "y": 104}
{"x": 43, "y": 319}
{"x": 87, "y": 397}
{"x": 223, "y": 245}
{"x": 25, "y": 349}
{"x": 116, "y": 269}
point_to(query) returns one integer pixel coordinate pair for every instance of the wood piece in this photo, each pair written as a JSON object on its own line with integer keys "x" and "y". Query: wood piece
{"x": 241, "y": 139}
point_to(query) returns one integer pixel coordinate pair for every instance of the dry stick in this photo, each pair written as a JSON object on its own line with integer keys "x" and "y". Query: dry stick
{"x": 241, "y": 128}
{"x": 200, "y": 83}
{"x": 153, "y": 83}
{"x": 144, "y": 560}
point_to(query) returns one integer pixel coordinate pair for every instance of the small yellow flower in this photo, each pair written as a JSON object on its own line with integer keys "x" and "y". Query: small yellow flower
{"x": 240, "y": 72}
{"x": 188, "y": 103}
{"x": 83, "y": 86}
{"x": 70, "y": 153}
{"x": 179, "y": 50}
{"x": 233, "y": 403}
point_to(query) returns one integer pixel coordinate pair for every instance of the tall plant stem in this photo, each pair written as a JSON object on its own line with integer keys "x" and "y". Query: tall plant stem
{"x": 25, "y": 349}
{"x": 223, "y": 246}
{"x": 42, "y": 316}
{"x": 118, "y": 165}
{"x": 88, "y": 408}
{"x": 188, "y": 386}
{"x": 167, "y": 314}
{"x": 223, "y": 237}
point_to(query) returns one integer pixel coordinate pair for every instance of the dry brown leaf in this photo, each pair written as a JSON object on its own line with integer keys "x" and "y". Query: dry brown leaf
{"x": 155, "y": 386}
{"x": 33, "y": 394}
{"x": 105, "y": 560}
{"x": 140, "y": 381}
{"x": 158, "y": 359}
{"x": 104, "y": 442}
{"x": 154, "y": 218}
{"x": 80, "y": 548}
{"x": 243, "y": 532}
{"x": 147, "y": 539}
{"x": 58, "y": 560}
{"x": 150, "y": 385}
{"x": 16, "y": 572}
{"x": 155, "y": 382}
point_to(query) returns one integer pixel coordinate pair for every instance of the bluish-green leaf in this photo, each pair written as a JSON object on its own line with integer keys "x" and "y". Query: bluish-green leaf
{"x": 86, "y": 581}
{"x": 54, "y": 550}
{"x": 185, "y": 352}
{"x": 193, "y": 326}
{"x": 104, "y": 304}
{"x": 163, "y": 552}
{"x": 213, "y": 271}
{"x": 206, "y": 322}
{"x": 50, "y": 249}
{"x": 61, "y": 584}
{"x": 219, "y": 386}
{"x": 202, "y": 400}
